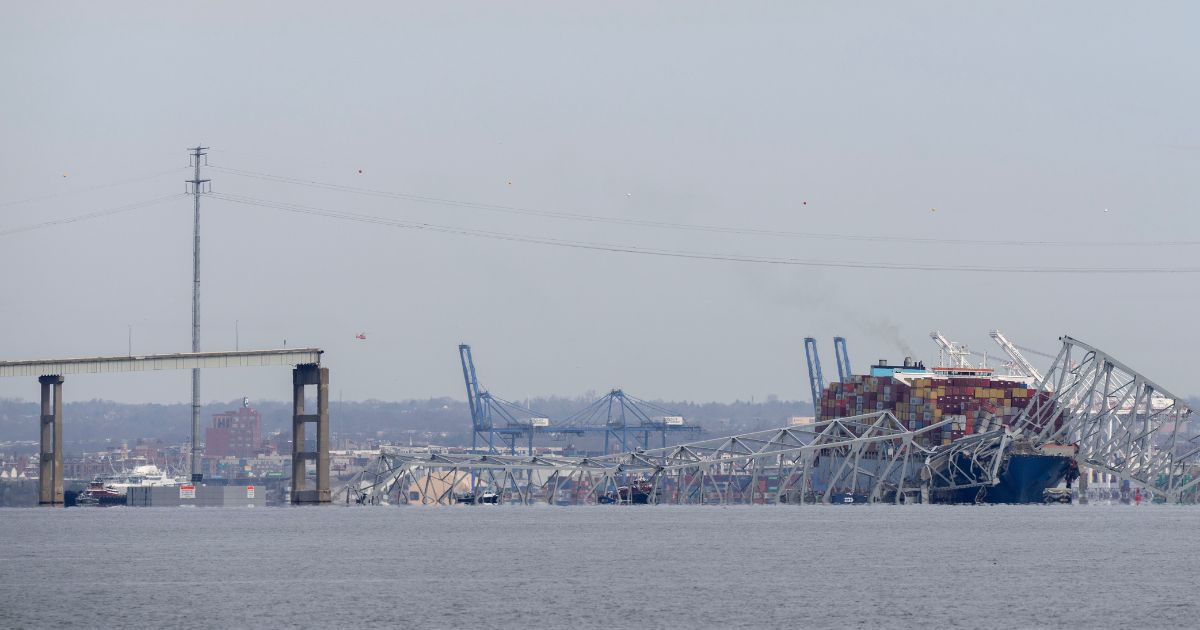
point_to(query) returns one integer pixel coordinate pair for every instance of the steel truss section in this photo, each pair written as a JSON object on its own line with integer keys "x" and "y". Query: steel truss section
{"x": 974, "y": 461}
{"x": 1119, "y": 420}
{"x": 871, "y": 457}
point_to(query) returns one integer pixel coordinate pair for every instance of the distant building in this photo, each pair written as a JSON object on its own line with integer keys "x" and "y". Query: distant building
{"x": 235, "y": 433}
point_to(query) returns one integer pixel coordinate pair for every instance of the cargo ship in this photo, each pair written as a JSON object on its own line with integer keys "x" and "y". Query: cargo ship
{"x": 974, "y": 401}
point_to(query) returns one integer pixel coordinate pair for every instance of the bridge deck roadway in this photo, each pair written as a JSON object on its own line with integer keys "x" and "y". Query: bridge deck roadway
{"x": 178, "y": 361}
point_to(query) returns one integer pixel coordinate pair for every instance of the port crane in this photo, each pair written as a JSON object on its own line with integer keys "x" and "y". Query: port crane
{"x": 843, "y": 359}
{"x": 517, "y": 422}
{"x": 619, "y": 416}
{"x": 816, "y": 380}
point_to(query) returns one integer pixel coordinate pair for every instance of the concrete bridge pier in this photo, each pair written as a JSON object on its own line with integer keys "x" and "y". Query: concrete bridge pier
{"x": 302, "y": 376}
{"x": 50, "y": 475}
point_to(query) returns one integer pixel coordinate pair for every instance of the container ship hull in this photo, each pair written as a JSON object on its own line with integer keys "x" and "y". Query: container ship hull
{"x": 1024, "y": 480}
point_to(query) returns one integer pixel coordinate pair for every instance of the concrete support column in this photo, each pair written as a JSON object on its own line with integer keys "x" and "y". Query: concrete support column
{"x": 303, "y": 376}
{"x": 50, "y": 481}
{"x": 299, "y": 462}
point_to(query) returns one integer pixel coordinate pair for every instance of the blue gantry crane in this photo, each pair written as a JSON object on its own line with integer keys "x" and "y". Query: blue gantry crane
{"x": 617, "y": 415}
{"x": 492, "y": 416}
{"x": 816, "y": 380}
{"x": 843, "y": 359}
{"x": 620, "y": 416}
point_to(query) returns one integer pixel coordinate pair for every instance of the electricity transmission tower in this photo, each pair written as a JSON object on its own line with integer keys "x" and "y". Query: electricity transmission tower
{"x": 196, "y": 189}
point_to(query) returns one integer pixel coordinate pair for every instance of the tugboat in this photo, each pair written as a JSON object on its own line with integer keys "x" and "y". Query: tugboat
{"x": 99, "y": 494}
{"x": 108, "y": 491}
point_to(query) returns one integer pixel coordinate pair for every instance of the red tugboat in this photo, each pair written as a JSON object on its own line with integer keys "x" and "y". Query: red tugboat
{"x": 99, "y": 494}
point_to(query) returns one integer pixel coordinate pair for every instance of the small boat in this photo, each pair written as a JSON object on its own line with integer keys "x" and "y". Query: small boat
{"x": 486, "y": 498}
{"x": 106, "y": 491}
{"x": 1056, "y": 495}
{"x": 848, "y": 498}
{"x": 97, "y": 493}
{"x": 636, "y": 493}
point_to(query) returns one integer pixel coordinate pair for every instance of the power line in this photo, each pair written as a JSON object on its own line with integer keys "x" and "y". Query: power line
{"x": 90, "y": 188}
{"x": 634, "y": 249}
{"x": 568, "y": 216}
{"x": 91, "y": 215}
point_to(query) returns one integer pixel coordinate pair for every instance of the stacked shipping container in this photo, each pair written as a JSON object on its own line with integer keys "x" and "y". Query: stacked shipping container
{"x": 973, "y": 404}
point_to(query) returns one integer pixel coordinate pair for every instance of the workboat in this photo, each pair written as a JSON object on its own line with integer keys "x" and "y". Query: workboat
{"x": 99, "y": 494}
{"x": 111, "y": 490}
{"x": 848, "y": 498}
{"x": 486, "y": 498}
{"x": 636, "y": 493}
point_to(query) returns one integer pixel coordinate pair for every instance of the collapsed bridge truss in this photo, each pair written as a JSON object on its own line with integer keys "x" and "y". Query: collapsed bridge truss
{"x": 870, "y": 457}
{"x": 1116, "y": 420}
{"x": 1111, "y": 417}
{"x": 1120, "y": 421}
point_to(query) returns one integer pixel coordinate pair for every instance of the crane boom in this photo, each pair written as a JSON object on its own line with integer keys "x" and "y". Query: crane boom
{"x": 1019, "y": 359}
{"x": 843, "y": 359}
{"x": 816, "y": 380}
{"x": 473, "y": 400}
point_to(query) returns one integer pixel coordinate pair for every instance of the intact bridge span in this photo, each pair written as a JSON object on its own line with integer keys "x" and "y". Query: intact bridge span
{"x": 306, "y": 371}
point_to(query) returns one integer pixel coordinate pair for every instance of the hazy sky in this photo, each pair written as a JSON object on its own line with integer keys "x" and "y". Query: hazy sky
{"x": 1014, "y": 120}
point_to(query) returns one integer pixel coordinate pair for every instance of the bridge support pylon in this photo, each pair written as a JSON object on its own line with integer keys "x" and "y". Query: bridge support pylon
{"x": 302, "y": 376}
{"x": 50, "y": 473}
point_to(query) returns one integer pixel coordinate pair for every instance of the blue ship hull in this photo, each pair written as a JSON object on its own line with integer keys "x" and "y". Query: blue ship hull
{"x": 1024, "y": 479}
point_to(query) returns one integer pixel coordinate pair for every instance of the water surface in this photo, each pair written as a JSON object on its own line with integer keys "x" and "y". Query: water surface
{"x": 602, "y": 566}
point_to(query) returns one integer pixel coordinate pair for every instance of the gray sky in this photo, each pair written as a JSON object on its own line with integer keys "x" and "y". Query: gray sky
{"x": 1015, "y": 120}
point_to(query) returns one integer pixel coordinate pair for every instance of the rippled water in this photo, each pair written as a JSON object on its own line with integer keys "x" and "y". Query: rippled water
{"x": 585, "y": 567}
